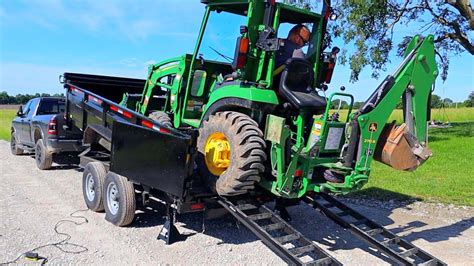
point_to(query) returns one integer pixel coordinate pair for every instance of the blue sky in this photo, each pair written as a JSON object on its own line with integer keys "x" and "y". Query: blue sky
{"x": 40, "y": 39}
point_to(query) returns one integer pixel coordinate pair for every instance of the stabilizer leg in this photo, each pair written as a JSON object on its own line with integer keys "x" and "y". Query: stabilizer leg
{"x": 169, "y": 233}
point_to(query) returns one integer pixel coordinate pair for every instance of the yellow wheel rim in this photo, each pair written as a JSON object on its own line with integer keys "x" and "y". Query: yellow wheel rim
{"x": 217, "y": 153}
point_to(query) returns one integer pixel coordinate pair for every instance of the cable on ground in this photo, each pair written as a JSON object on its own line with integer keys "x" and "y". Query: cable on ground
{"x": 61, "y": 245}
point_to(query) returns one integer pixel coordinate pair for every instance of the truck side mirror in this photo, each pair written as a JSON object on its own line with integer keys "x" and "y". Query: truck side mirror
{"x": 20, "y": 111}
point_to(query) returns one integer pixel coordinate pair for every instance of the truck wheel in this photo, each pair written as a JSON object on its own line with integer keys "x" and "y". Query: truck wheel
{"x": 231, "y": 152}
{"x": 14, "y": 145}
{"x": 92, "y": 185}
{"x": 43, "y": 158}
{"x": 119, "y": 199}
{"x": 161, "y": 117}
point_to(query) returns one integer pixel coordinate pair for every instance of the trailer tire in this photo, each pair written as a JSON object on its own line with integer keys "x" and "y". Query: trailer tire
{"x": 14, "y": 145}
{"x": 119, "y": 199}
{"x": 43, "y": 158}
{"x": 161, "y": 117}
{"x": 245, "y": 144}
{"x": 93, "y": 185}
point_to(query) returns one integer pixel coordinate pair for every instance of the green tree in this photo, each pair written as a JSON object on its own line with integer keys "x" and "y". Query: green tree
{"x": 335, "y": 104}
{"x": 358, "y": 105}
{"x": 6, "y": 99}
{"x": 369, "y": 27}
{"x": 436, "y": 101}
{"x": 448, "y": 102}
{"x": 470, "y": 100}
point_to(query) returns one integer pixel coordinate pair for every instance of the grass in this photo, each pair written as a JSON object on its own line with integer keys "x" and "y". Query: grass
{"x": 6, "y": 117}
{"x": 446, "y": 177}
{"x": 446, "y": 115}
{"x": 463, "y": 114}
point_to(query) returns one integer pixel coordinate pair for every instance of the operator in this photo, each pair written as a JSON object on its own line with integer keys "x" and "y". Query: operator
{"x": 290, "y": 47}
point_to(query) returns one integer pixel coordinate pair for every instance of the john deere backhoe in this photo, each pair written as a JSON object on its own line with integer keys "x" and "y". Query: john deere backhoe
{"x": 265, "y": 132}
{"x": 276, "y": 131}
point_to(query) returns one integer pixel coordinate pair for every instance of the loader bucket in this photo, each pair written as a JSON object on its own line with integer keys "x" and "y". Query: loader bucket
{"x": 398, "y": 148}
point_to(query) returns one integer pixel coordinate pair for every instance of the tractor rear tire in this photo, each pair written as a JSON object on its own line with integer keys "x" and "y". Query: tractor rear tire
{"x": 93, "y": 185}
{"x": 14, "y": 145}
{"x": 119, "y": 199}
{"x": 247, "y": 153}
{"x": 43, "y": 158}
{"x": 162, "y": 118}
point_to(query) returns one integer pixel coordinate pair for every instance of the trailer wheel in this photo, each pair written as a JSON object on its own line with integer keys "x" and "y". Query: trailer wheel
{"x": 43, "y": 158}
{"x": 119, "y": 199}
{"x": 93, "y": 185}
{"x": 14, "y": 145}
{"x": 231, "y": 152}
{"x": 161, "y": 117}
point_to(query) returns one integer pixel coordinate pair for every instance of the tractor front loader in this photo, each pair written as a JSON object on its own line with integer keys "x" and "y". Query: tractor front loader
{"x": 262, "y": 128}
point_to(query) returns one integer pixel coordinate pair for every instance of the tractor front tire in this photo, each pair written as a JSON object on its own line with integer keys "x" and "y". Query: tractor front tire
{"x": 231, "y": 152}
{"x": 161, "y": 117}
{"x": 43, "y": 158}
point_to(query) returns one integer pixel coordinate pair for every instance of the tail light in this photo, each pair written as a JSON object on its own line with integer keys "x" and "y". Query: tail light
{"x": 331, "y": 64}
{"x": 298, "y": 173}
{"x": 52, "y": 126}
{"x": 329, "y": 72}
{"x": 241, "y": 52}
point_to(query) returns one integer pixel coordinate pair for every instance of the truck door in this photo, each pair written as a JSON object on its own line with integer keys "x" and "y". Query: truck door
{"x": 20, "y": 124}
{"x": 28, "y": 137}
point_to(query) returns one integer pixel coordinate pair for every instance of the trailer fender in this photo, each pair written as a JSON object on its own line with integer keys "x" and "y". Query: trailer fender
{"x": 96, "y": 134}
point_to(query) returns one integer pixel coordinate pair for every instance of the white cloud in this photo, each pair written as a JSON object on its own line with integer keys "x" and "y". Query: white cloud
{"x": 131, "y": 19}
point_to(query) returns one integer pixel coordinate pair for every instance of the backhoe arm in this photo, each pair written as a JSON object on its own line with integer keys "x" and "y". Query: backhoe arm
{"x": 412, "y": 82}
{"x": 403, "y": 147}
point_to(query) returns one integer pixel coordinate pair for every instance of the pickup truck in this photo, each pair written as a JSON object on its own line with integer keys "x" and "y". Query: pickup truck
{"x": 40, "y": 128}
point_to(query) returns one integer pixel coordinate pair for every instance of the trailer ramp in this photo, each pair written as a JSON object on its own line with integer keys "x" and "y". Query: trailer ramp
{"x": 278, "y": 235}
{"x": 403, "y": 252}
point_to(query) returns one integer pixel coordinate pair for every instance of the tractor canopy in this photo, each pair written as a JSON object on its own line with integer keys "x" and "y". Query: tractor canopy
{"x": 247, "y": 34}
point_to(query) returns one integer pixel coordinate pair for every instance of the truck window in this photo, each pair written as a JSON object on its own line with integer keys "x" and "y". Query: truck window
{"x": 51, "y": 106}
{"x": 26, "y": 107}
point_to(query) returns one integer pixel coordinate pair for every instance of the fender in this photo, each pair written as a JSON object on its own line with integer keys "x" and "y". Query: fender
{"x": 37, "y": 128}
{"x": 236, "y": 97}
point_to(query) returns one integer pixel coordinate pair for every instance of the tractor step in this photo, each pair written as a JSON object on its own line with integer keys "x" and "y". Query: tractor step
{"x": 277, "y": 234}
{"x": 394, "y": 246}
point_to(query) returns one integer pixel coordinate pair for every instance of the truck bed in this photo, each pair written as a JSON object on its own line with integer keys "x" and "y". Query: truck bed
{"x": 146, "y": 152}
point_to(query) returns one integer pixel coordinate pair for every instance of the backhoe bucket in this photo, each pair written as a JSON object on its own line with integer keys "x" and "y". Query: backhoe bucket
{"x": 398, "y": 148}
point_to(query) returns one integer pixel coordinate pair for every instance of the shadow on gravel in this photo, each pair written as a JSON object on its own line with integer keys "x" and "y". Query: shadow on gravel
{"x": 225, "y": 228}
{"x": 311, "y": 223}
{"x": 65, "y": 167}
{"x": 320, "y": 229}
{"x": 382, "y": 194}
{"x": 442, "y": 233}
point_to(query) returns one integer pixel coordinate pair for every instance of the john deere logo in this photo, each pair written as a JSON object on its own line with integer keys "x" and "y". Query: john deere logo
{"x": 373, "y": 127}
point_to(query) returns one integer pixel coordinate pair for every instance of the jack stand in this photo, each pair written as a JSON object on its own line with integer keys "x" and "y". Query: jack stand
{"x": 280, "y": 210}
{"x": 169, "y": 233}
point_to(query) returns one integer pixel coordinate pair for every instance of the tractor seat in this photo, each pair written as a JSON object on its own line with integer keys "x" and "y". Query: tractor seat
{"x": 296, "y": 86}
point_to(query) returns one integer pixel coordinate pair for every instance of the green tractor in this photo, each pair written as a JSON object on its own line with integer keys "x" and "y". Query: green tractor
{"x": 266, "y": 125}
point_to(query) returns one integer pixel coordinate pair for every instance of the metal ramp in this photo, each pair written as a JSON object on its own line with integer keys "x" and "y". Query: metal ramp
{"x": 278, "y": 235}
{"x": 400, "y": 250}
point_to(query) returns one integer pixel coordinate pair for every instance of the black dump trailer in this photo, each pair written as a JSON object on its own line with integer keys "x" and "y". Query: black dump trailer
{"x": 130, "y": 157}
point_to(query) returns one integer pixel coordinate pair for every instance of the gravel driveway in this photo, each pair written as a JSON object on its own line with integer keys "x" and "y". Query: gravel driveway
{"x": 33, "y": 201}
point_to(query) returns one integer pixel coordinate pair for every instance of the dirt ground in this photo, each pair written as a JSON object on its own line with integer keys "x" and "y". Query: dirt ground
{"x": 33, "y": 201}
